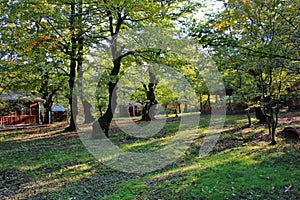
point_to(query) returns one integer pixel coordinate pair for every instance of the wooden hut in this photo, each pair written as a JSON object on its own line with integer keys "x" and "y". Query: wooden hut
{"x": 19, "y": 108}
{"x": 59, "y": 114}
{"x": 135, "y": 109}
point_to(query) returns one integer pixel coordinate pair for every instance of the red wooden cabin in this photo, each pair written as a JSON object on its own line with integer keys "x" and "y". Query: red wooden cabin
{"x": 59, "y": 114}
{"x": 19, "y": 108}
{"x": 134, "y": 109}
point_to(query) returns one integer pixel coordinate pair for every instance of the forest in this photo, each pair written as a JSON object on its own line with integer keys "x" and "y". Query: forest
{"x": 167, "y": 99}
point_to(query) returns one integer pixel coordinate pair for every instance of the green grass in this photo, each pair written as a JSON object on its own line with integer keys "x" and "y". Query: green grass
{"x": 240, "y": 173}
{"x": 52, "y": 164}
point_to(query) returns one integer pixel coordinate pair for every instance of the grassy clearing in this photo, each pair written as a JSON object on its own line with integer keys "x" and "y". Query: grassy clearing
{"x": 52, "y": 164}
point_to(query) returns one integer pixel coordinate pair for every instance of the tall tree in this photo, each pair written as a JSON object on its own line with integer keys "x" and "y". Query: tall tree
{"x": 127, "y": 15}
{"x": 60, "y": 28}
{"x": 265, "y": 36}
{"x": 149, "y": 104}
{"x": 68, "y": 29}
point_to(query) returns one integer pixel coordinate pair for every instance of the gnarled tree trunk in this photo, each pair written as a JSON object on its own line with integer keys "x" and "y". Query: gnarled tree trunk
{"x": 149, "y": 107}
{"x": 105, "y": 120}
{"x": 260, "y": 115}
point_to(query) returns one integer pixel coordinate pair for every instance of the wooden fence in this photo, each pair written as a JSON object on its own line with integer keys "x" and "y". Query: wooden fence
{"x": 17, "y": 119}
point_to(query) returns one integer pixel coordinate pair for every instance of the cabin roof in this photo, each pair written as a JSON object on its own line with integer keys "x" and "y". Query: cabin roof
{"x": 58, "y": 109}
{"x": 16, "y": 96}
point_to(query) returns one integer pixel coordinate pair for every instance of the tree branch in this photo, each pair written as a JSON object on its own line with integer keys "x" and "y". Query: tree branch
{"x": 57, "y": 32}
{"x": 149, "y": 50}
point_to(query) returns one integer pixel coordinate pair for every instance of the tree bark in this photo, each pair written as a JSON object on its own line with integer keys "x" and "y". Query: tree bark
{"x": 208, "y": 103}
{"x": 249, "y": 118}
{"x": 272, "y": 120}
{"x": 260, "y": 115}
{"x": 149, "y": 108}
{"x": 48, "y": 94}
{"x": 185, "y": 109}
{"x": 105, "y": 120}
{"x": 88, "y": 117}
{"x": 48, "y": 102}
{"x": 201, "y": 103}
{"x": 47, "y": 118}
{"x": 179, "y": 108}
{"x": 166, "y": 107}
{"x": 72, "y": 98}
{"x": 72, "y": 75}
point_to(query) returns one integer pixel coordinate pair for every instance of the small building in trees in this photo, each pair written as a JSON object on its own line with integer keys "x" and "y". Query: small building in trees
{"x": 135, "y": 109}
{"x": 132, "y": 109}
{"x": 293, "y": 99}
{"x": 59, "y": 114}
{"x": 20, "y": 108}
{"x": 205, "y": 106}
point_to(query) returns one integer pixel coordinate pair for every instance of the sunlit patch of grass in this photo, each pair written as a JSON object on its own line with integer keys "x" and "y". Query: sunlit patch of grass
{"x": 145, "y": 146}
{"x": 232, "y": 174}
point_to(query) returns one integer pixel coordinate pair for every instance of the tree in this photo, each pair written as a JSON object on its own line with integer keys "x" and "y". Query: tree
{"x": 68, "y": 30}
{"x": 15, "y": 70}
{"x": 165, "y": 96}
{"x": 123, "y": 15}
{"x": 149, "y": 104}
{"x": 265, "y": 37}
{"x": 26, "y": 60}
{"x": 62, "y": 31}
{"x": 50, "y": 35}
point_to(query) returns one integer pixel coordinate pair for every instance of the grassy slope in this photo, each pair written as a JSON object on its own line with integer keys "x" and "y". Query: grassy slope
{"x": 50, "y": 164}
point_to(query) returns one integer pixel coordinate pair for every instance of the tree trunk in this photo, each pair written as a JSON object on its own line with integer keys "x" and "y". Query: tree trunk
{"x": 88, "y": 117}
{"x": 185, "y": 109}
{"x": 47, "y": 117}
{"x": 208, "y": 103}
{"x": 272, "y": 120}
{"x": 149, "y": 108}
{"x": 48, "y": 103}
{"x": 166, "y": 107}
{"x": 260, "y": 115}
{"x": 201, "y": 103}
{"x": 72, "y": 75}
{"x": 249, "y": 118}
{"x": 48, "y": 93}
{"x": 105, "y": 120}
{"x": 100, "y": 111}
{"x": 274, "y": 123}
{"x": 72, "y": 98}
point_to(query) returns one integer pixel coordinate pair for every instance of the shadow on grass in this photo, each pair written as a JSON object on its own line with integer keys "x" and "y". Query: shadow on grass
{"x": 52, "y": 165}
{"x": 258, "y": 173}
{"x": 56, "y": 165}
